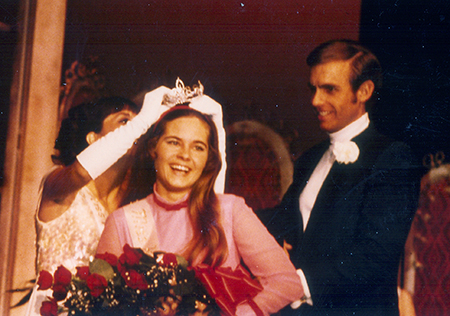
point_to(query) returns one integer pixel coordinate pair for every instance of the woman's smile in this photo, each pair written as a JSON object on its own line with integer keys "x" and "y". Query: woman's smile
{"x": 180, "y": 168}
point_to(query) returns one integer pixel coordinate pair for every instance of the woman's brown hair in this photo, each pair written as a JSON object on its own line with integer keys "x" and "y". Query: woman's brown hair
{"x": 208, "y": 239}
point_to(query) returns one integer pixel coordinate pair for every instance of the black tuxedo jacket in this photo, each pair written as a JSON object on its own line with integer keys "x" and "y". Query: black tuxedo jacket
{"x": 351, "y": 248}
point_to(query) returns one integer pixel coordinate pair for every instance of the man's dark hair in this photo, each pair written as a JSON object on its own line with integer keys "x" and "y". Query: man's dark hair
{"x": 365, "y": 65}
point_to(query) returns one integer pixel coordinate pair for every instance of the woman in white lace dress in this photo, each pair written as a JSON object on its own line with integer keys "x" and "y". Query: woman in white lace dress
{"x": 92, "y": 162}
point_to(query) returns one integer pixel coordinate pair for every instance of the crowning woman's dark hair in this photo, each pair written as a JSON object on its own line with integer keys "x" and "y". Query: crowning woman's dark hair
{"x": 83, "y": 119}
{"x": 208, "y": 238}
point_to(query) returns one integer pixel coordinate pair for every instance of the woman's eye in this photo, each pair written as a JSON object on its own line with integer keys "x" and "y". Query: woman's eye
{"x": 199, "y": 148}
{"x": 124, "y": 121}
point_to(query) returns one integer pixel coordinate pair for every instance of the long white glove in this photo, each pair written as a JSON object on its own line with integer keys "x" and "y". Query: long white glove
{"x": 103, "y": 153}
{"x": 207, "y": 105}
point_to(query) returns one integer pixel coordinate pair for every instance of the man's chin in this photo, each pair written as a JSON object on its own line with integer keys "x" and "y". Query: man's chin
{"x": 327, "y": 127}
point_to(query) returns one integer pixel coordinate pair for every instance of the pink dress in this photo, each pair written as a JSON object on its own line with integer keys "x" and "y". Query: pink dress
{"x": 247, "y": 239}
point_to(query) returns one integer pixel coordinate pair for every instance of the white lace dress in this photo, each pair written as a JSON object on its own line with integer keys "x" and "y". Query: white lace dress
{"x": 69, "y": 240}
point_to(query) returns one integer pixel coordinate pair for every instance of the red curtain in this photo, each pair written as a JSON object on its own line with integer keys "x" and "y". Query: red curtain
{"x": 431, "y": 243}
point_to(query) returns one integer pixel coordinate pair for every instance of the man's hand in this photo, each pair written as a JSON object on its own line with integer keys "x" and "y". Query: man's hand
{"x": 286, "y": 247}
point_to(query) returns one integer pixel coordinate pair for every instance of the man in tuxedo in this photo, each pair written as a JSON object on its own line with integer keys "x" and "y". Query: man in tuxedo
{"x": 346, "y": 216}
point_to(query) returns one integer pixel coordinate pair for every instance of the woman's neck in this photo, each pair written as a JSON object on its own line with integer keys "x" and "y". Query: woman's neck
{"x": 169, "y": 196}
{"x": 110, "y": 199}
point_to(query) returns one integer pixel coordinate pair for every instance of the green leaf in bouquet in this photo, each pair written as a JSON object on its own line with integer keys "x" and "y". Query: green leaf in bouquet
{"x": 182, "y": 262}
{"x": 186, "y": 283}
{"x": 183, "y": 289}
{"x": 146, "y": 260}
{"x": 101, "y": 267}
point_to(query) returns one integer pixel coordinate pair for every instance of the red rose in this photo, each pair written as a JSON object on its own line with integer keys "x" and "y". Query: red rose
{"x": 169, "y": 260}
{"x": 49, "y": 308}
{"x": 135, "y": 280}
{"x": 130, "y": 256}
{"x": 83, "y": 272}
{"x": 45, "y": 280}
{"x": 121, "y": 267}
{"x": 63, "y": 276}
{"x": 108, "y": 257}
{"x": 59, "y": 292}
{"x": 97, "y": 284}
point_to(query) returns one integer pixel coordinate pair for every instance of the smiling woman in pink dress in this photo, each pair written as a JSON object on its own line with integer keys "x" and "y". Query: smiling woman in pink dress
{"x": 184, "y": 215}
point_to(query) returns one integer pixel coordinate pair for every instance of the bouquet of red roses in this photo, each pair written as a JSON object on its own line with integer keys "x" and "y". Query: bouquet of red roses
{"x": 133, "y": 284}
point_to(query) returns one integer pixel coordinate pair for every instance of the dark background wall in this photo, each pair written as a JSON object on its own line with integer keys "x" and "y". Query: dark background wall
{"x": 250, "y": 56}
{"x": 412, "y": 40}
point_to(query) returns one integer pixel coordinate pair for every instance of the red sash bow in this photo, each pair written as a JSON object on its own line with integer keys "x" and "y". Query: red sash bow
{"x": 229, "y": 288}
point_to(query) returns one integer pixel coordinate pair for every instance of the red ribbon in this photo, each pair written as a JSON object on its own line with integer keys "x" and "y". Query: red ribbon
{"x": 229, "y": 288}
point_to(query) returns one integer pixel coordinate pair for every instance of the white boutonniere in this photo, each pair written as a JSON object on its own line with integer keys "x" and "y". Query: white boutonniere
{"x": 345, "y": 152}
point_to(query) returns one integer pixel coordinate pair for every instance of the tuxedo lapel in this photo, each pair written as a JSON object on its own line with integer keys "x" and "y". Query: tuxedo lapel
{"x": 304, "y": 167}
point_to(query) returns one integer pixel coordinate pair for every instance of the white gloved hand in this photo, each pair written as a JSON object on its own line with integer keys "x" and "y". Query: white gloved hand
{"x": 103, "y": 153}
{"x": 152, "y": 108}
{"x": 207, "y": 105}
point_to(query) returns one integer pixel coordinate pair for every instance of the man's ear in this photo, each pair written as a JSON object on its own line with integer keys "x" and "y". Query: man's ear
{"x": 365, "y": 91}
{"x": 91, "y": 137}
